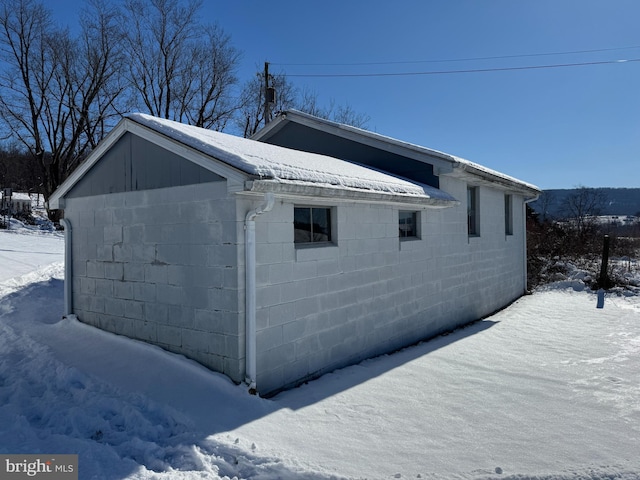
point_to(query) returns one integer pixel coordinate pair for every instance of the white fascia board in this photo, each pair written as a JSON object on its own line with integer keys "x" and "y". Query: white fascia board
{"x": 480, "y": 176}
{"x": 296, "y": 189}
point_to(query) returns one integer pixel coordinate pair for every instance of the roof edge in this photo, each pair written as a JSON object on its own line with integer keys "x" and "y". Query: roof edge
{"x": 507, "y": 182}
{"x": 56, "y": 200}
{"x": 377, "y": 140}
{"x": 445, "y": 163}
{"x": 129, "y": 125}
{"x": 308, "y": 189}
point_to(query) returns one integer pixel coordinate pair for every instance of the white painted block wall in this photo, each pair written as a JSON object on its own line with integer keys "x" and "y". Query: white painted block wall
{"x": 167, "y": 266}
{"x": 162, "y": 266}
{"x": 371, "y": 293}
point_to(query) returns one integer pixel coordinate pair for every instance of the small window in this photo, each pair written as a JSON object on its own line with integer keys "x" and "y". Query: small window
{"x": 508, "y": 215}
{"x": 312, "y": 224}
{"x": 408, "y": 224}
{"x": 473, "y": 214}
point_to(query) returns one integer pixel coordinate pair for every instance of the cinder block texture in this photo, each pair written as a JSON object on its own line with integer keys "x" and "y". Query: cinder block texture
{"x": 151, "y": 265}
{"x": 371, "y": 292}
{"x": 167, "y": 266}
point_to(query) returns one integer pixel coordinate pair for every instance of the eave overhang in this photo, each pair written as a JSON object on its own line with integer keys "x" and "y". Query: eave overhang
{"x": 297, "y": 189}
{"x": 478, "y": 175}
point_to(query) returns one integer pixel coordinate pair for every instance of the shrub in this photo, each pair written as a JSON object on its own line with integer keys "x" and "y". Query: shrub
{"x": 555, "y": 248}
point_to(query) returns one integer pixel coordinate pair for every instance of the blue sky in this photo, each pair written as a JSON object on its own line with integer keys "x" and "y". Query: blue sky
{"x": 554, "y": 127}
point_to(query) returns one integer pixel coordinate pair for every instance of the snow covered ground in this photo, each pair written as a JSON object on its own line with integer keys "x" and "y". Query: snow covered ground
{"x": 548, "y": 388}
{"x": 20, "y": 254}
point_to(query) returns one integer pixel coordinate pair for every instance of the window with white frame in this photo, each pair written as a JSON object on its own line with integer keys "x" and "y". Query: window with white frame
{"x": 408, "y": 224}
{"x": 473, "y": 212}
{"x": 312, "y": 225}
{"x": 508, "y": 215}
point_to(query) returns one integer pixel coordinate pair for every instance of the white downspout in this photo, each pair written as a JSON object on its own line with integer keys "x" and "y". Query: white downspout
{"x": 250, "y": 288}
{"x": 524, "y": 231}
{"x": 68, "y": 268}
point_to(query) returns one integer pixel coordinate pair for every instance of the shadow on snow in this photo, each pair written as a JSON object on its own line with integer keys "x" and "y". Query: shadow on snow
{"x": 121, "y": 403}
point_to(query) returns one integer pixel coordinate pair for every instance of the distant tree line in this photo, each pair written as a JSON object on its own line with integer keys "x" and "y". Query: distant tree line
{"x": 63, "y": 89}
{"x": 619, "y": 201}
{"x": 19, "y": 170}
{"x": 576, "y": 235}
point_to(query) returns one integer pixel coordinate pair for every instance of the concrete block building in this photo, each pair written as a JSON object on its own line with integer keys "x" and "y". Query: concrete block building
{"x": 274, "y": 265}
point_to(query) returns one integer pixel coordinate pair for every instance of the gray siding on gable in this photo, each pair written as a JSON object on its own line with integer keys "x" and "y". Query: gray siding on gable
{"x": 307, "y": 139}
{"x": 134, "y": 164}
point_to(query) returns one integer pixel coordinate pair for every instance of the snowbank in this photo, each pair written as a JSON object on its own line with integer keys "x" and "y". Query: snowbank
{"x": 24, "y": 250}
{"x": 580, "y": 276}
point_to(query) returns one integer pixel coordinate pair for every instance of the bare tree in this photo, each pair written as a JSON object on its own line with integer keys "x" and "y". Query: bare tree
{"x": 208, "y": 100}
{"x": 347, "y": 115}
{"x": 180, "y": 69}
{"x": 27, "y": 71}
{"x": 18, "y": 169}
{"x": 583, "y": 206}
{"x": 288, "y": 97}
{"x": 102, "y": 41}
{"x": 53, "y": 84}
{"x": 157, "y": 36}
{"x": 545, "y": 205}
{"x": 251, "y": 113}
{"x": 308, "y": 103}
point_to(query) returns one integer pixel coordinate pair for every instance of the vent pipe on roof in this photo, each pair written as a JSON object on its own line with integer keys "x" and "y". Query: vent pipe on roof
{"x": 250, "y": 289}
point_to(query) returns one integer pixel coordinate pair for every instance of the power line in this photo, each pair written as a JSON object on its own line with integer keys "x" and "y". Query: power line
{"x": 497, "y": 57}
{"x": 450, "y": 72}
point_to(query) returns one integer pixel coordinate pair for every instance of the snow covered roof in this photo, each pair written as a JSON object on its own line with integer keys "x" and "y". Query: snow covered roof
{"x": 286, "y": 166}
{"x": 445, "y": 163}
{"x": 19, "y": 196}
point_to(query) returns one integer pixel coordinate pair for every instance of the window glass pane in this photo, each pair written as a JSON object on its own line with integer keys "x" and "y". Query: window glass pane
{"x": 311, "y": 224}
{"x": 508, "y": 215}
{"x": 302, "y": 225}
{"x": 407, "y": 224}
{"x": 321, "y": 227}
{"x": 472, "y": 210}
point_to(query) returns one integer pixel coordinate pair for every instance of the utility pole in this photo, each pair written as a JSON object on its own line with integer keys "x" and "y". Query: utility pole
{"x": 267, "y": 103}
{"x": 269, "y": 95}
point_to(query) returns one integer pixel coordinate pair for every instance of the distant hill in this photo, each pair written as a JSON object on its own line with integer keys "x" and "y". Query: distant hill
{"x": 620, "y": 201}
